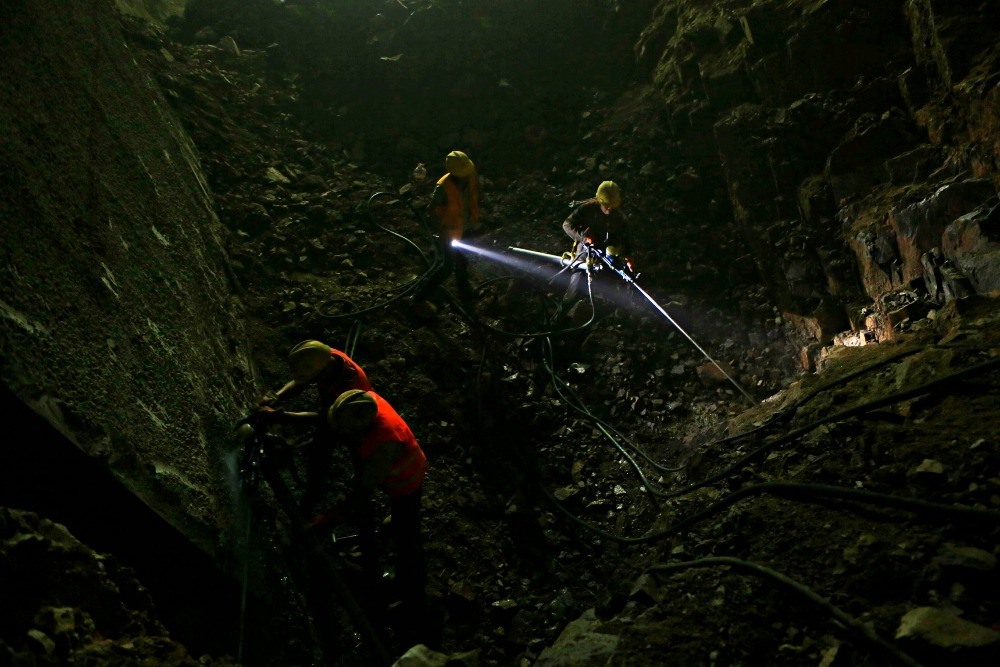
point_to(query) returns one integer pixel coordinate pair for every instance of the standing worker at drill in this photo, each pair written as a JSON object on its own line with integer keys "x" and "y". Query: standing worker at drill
{"x": 455, "y": 208}
{"x": 598, "y": 223}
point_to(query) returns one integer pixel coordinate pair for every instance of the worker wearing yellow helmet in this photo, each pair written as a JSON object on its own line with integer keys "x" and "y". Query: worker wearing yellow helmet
{"x": 598, "y": 220}
{"x": 454, "y": 207}
{"x": 600, "y": 223}
{"x": 313, "y": 362}
{"x": 332, "y": 372}
{"x": 386, "y": 456}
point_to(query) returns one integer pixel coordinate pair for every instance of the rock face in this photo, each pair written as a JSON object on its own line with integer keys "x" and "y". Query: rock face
{"x": 116, "y": 321}
{"x": 853, "y": 139}
{"x": 850, "y": 147}
{"x": 66, "y": 604}
{"x": 157, "y": 11}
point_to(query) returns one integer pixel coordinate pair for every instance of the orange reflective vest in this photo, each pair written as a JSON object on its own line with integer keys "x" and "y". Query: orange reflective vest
{"x": 450, "y": 215}
{"x": 352, "y": 377}
{"x": 406, "y": 473}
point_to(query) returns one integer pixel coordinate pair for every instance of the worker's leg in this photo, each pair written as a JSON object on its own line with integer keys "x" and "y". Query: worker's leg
{"x": 411, "y": 570}
{"x": 319, "y": 455}
{"x": 411, "y": 575}
{"x": 372, "y": 589}
{"x": 443, "y": 267}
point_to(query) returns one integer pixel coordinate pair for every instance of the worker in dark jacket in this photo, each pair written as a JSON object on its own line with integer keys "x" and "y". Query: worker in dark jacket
{"x": 597, "y": 222}
{"x": 386, "y": 457}
{"x": 454, "y": 207}
{"x": 333, "y": 372}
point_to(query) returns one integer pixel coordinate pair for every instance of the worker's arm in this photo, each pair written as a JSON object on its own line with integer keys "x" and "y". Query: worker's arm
{"x": 290, "y": 390}
{"x": 576, "y": 226}
{"x": 301, "y": 416}
{"x": 366, "y": 480}
{"x": 271, "y": 415}
{"x": 439, "y": 200}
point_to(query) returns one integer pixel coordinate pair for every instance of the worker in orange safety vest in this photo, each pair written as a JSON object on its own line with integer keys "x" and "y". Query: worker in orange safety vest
{"x": 386, "y": 456}
{"x": 313, "y": 362}
{"x": 455, "y": 208}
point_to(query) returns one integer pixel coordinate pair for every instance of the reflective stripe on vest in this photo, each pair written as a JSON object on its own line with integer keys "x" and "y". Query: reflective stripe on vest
{"x": 451, "y": 215}
{"x": 406, "y": 473}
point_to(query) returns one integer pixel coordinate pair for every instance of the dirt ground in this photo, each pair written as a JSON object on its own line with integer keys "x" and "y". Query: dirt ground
{"x": 563, "y": 464}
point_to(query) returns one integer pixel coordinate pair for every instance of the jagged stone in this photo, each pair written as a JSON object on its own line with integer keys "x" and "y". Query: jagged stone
{"x": 944, "y": 630}
{"x": 422, "y": 656}
{"x": 273, "y": 175}
{"x": 854, "y": 166}
{"x": 919, "y": 226}
{"x": 964, "y": 557}
{"x": 943, "y": 281}
{"x": 972, "y": 244}
{"x": 913, "y": 166}
{"x": 825, "y": 321}
{"x": 581, "y": 643}
{"x": 228, "y": 45}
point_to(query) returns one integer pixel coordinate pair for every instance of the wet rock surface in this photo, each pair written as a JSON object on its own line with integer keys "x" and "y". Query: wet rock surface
{"x": 825, "y": 231}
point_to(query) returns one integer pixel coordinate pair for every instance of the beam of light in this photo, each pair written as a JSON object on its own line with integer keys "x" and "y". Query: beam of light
{"x": 507, "y": 258}
{"x": 607, "y": 291}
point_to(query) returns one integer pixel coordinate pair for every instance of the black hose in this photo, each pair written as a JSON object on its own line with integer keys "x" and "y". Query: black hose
{"x": 535, "y": 334}
{"x": 577, "y": 404}
{"x": 791, "y": 491}
{"x": 893, "y": 651}
{"x": 925, "y": 388}
{"x": 404, "y": 289}
{"x": 423, "y": 221}
{"x": 791, "y": 409}
{"x": 607, "y": 431}
{"x": 346, "y": 598}
{"x": 352, "y": 338}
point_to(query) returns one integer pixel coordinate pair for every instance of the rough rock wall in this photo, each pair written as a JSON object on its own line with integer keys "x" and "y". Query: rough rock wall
{"x": 157, "y": 11}
{"x": 116, "y": 319}
{"x": 67, "y": 604}
{"x": 858, "y": 143}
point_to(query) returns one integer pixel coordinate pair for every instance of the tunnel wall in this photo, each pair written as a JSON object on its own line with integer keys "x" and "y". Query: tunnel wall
{"x": 118, "y": 323}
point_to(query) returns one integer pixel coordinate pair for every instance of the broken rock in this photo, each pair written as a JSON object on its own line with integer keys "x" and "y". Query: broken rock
{"x": 939, "y": 628}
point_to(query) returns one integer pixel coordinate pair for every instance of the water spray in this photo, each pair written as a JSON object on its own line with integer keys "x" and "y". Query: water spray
{"x": 249, "y": 477}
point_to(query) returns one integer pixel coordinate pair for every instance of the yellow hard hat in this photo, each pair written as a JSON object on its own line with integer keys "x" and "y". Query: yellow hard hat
{"x": 308, "y": 359}
{"x": 609, "y": 194}
{"x": 612, "y": 251}
{"x": 458, "y": 164}
{"x": 353, "y": 411}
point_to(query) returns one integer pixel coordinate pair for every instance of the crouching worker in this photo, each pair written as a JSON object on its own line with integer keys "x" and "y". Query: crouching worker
{"x": 332, "y": 372}
{"x": 386, "y": 456}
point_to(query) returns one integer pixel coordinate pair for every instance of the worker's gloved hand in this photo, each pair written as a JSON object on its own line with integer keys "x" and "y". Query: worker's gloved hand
{"x": 317, "y": 531}
{"x": 325, "y": 523}
{"x": 266, "y": 414}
